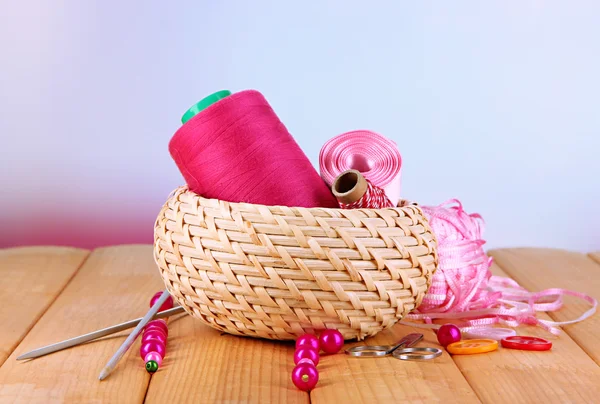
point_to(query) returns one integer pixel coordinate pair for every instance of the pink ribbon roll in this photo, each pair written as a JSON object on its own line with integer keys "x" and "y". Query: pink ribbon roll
{"x": 376, "y": 157}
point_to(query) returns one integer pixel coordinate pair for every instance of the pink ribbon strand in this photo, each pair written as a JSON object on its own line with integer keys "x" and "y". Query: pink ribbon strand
{"x": 464, "y": 289}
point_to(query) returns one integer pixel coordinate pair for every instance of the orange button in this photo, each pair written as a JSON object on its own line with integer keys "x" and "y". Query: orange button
{"x": 472, "y": 346}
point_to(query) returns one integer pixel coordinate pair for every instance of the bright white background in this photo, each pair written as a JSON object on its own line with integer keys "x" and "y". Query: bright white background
{"x": 495, "y": 103}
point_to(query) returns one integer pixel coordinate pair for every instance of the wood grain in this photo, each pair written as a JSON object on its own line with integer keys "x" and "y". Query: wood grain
{"x": 344, "y": 379}
{"x": 203, "y": 366}
{"x": 537, "y": 269}
{"x": 115, "y": 284}
{"x": 36, "y": 276}
{"x": 563, "y": 374}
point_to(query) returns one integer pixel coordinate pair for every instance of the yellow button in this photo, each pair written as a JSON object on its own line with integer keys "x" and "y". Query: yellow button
{"x": 472, "y": 346}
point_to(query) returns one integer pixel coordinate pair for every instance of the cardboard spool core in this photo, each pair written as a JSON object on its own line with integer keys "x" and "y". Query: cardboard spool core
{"x": 349, "y": 186}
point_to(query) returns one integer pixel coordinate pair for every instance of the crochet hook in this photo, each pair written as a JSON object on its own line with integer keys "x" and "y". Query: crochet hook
{"x": 110, "y": 366}
{"x": 36, "y": 353}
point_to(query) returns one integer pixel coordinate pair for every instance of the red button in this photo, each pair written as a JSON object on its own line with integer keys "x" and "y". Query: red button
{"x": 526, "y": 343}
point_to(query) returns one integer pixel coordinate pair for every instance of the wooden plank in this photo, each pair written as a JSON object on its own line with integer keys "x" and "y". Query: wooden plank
{"x": 344, "y": 379}
{"x": 537, "y": 269}
{"x": 32, "y": 277}
{"x": 115, "y": 284}
{"x": 203, "y": 366}
{"x": 595, "y": 256}
{"x": 563, "y": 374}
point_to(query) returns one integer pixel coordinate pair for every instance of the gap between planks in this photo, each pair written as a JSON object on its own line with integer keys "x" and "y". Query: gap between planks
{"x": 344, "y": 379}
{"x": 233, "y": 349}
{"x": 43, "y": 272}
{"x": 204, "y": 365}
{"x": 541, "y": 268}
{"x": 564, "y": 374}
{"x": 115, "y": 284}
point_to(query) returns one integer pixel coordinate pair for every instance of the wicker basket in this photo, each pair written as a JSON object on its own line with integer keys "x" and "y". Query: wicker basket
{"x": 277, "y": 272}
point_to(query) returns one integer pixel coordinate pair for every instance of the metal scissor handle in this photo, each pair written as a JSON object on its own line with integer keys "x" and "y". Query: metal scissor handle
{"x": 419, "y": 353}
{"x": 369, "y": 351}
{"x": 365, "y": 351}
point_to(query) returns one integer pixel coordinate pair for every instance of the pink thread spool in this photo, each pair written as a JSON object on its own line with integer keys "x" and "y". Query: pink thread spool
{"x": 236, "y": 149}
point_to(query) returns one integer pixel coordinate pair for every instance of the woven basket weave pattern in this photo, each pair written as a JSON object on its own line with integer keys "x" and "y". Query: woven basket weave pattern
{"x": 277, "y": 272}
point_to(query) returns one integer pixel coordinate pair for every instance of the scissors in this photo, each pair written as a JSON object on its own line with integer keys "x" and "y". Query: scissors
{"x": 401, "y": 350}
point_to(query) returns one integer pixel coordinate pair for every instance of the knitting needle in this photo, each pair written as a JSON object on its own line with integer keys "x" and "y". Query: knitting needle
{"x": 110, "y": 366}
{"x": 36, "y": 353}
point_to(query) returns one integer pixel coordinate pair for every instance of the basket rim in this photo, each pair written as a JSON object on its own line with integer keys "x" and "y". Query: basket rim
{"x": 184, "y": 189}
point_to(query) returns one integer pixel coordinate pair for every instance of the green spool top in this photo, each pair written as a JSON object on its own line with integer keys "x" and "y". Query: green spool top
{"x": 203, "y": 104}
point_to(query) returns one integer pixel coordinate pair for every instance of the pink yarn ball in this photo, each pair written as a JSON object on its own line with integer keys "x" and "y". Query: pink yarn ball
{"x": 154, "y": 356}
{"x": 305, "y": 352}
{"x": 155, "y": 335}
{"x": 305, "y": 376}
{"x": 308, "y": 340}
{"x": 447, "y": 334}
{"x": 331, "y": 341}
{"x": 152, "y": 346}
{"x": 463, "y": 262}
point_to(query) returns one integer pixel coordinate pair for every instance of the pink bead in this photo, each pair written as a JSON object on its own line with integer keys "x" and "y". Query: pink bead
{"x": 166, "y": 305}
{"x": 305, "y": 376}
{"x": 155, "y": 329}
{"x": 159, "y": 321}
{"x": 161, "y": 324}
{"x": 308, "y": 340}
{"x": 447, "y": 334}
{"x": 155, "y": 335}
{"x": 152, "y": 346}
{"x": 306, "y": 360}
{"x": 331, "y": 341}
{"x": 308, "y": 353}
{"x": 154, "y": 356}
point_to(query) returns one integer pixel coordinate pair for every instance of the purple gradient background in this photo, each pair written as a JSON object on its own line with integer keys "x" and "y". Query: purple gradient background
{"x": 491, "y": 102}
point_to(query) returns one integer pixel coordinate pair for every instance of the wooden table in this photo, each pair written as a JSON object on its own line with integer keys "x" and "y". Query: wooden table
{"x": 52, "y": 293}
